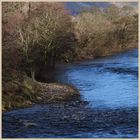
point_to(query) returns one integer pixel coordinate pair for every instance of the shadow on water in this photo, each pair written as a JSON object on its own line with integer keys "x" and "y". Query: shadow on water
{"x": 70, "y": 120}
{"x": 108, "y": 109}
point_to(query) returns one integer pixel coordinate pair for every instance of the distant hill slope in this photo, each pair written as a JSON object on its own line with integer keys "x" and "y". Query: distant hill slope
{"x": 76, "y": 7}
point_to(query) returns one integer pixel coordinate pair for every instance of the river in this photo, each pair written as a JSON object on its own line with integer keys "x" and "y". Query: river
{"x": 109, "y": 91}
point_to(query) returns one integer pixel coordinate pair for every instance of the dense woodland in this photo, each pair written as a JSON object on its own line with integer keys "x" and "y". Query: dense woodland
{"x": 36, "y": 36}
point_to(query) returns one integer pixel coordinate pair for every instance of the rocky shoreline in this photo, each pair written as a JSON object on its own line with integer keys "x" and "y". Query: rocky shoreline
{"x": 24, "y": 94}
{"x": 56, "y": 92}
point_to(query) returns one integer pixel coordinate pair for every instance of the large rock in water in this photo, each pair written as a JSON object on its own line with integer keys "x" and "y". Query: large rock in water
{"x": 55, "y": 92}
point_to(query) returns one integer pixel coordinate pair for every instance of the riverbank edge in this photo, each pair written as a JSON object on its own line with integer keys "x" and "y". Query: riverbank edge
{"x": 17, "y": 94}
{"x": 106, "y": 53}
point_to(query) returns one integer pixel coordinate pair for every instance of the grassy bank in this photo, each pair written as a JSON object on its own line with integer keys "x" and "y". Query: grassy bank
{"x": 17, "y": 94}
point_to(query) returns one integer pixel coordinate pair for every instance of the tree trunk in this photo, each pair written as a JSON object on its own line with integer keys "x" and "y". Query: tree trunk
{"x": 33, "y": 75}
{"x": 53, "y": 62}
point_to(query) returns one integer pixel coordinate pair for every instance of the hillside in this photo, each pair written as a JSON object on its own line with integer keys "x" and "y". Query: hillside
{"x": 76, "y": 7}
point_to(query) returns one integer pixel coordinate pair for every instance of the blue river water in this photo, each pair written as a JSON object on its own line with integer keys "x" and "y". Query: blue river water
{"x": 109, "y": 85}
{"x": 110, "y": 82}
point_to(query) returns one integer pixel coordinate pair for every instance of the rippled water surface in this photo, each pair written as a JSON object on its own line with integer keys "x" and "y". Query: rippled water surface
{"x": 110, "y": 82}
{"x": 109, "y": 87}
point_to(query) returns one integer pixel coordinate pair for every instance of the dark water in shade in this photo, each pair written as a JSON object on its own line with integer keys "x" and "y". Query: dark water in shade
{"x": 110, "y": 88}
